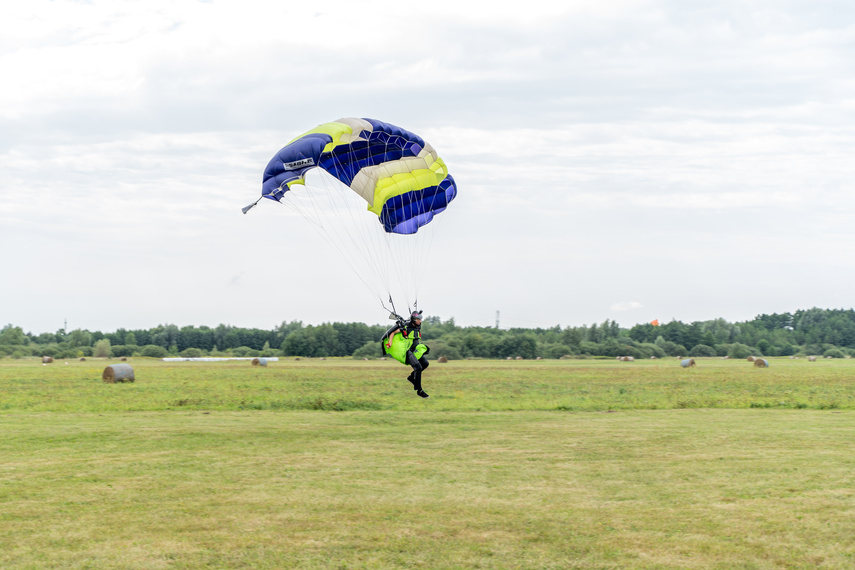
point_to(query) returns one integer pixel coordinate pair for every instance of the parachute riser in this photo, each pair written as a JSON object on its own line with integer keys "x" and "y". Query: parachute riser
{"x": 393, "y": 312}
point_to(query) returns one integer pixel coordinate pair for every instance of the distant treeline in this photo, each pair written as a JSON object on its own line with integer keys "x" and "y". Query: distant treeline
{"x": 827, "y": 332}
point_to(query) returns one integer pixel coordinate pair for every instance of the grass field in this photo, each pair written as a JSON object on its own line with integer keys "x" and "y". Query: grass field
{"x": 337, "y": 464}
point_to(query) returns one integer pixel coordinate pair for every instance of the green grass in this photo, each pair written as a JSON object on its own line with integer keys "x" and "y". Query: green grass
{"x": 457, "y": 386}
{"x": 220, "y": 465}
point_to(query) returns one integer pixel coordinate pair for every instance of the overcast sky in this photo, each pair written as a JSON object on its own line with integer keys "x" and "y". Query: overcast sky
{"x": 629, "y": 160}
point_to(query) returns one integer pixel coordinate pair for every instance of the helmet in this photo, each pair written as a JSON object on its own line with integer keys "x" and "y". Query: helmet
{"x": 416, "y": 315}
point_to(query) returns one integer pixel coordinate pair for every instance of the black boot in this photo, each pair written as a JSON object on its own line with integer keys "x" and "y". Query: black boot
{"x": 422, "y": 394}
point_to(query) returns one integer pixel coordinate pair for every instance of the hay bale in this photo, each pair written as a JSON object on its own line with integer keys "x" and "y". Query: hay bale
{"x": 751, "y": 359}
{"x": 811, "y": 358}
{"x": 687, "y": 362}
{"x": 627, "y": 359}
{"x": 82, "y": 359}
{"x": 124, "y": 359}
{"x": 47, "y": 359}
{"x": 118, "y": 373}
{"x": 761, "y": 363}
{"x": 442, "y": 359}
{"x": 259, "y": 362}
{"x": 519, "y": 357}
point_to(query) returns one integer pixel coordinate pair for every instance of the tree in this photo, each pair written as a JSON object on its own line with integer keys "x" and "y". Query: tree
{"x": 312, "y": 341}
{"x": 649, "y": 349}
{"x": 370, "y": 349}
{"x": 13, "y": 336}
{"x": 441, "y": 348}
{"x": 595, "y": 334}
{"x": 514, "y": 345}
{"x": 702, "y": 350}
{"x": 102, "y": 349}
{"x": 154, "y": 351}
{"x": 572, "y": 338}
{"x": 834, "y": 353}
{"x": 79, "y": 338}
{"x": 786, "y": 349}
{"x": 739, "y": 350}
{"x": 672, "y": 348}
{"x": 555, "y": 350}
{"x": 45, "y": 338}
{"x": 191, "y": 353}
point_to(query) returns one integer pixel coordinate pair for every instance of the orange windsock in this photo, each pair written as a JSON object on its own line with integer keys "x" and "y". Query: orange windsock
{"x": 655, "y": 322}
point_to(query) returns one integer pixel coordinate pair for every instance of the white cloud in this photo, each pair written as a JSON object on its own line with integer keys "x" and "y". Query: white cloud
{"x": 592, "y": 141}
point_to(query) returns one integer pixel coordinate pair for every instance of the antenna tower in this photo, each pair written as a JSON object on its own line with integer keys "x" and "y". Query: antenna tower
{"x": 497, "y": 319}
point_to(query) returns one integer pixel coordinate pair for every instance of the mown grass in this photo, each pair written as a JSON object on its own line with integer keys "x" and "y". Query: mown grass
{"x": 221, "y": 465}
{"x": 457, "y": 386}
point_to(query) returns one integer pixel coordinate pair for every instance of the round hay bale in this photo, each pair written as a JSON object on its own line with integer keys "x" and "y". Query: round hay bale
{"x": 47, "y": 359}
{"x": 751, "y": 359}
{"x": 259, "y": 362}
{"x": 687, "y": 362}
{"x": 442, "y": 359}
{"x": 82, "y": 359}
{"x": 761, "y": 363}
{"x": 519, "y": 357}
{"x": 124, "y": 359}
{"x": 811, "y": 358}
{"x": 118, "y": 373}
{"x": 627, "y": 359}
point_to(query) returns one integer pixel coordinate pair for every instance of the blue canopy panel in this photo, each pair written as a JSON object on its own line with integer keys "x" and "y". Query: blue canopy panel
{"x": 385, "y": 143}
{"x": 406, "y": 213}
{"x": 291, "y": 163}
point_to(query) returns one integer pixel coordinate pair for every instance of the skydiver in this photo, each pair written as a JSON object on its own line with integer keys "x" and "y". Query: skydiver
{"x": 412, "y": 330}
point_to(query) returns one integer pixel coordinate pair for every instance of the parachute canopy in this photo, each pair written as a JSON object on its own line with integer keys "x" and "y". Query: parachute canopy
{"x": 398, "y": 174}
